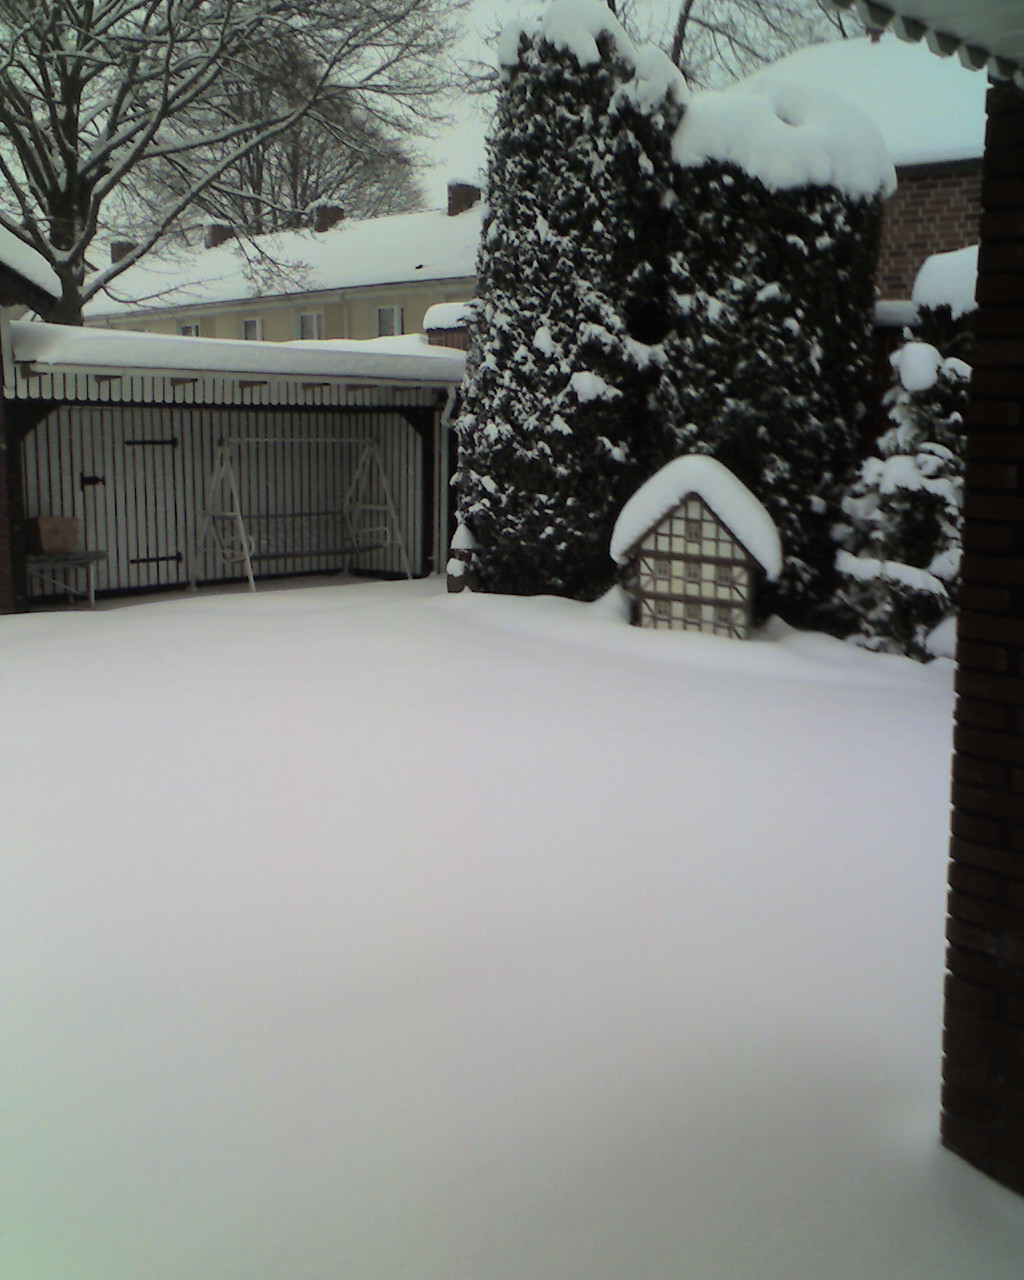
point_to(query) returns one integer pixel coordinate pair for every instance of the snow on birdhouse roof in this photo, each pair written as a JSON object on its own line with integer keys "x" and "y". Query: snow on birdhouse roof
{"x": 401, "y": 249}
{"x": 948, "y": 279}
{"x": 730, "y": 500}
{"x": 928, "y": 110}
{"x": 409, "y": 359}
{"x": 26, "y": 262}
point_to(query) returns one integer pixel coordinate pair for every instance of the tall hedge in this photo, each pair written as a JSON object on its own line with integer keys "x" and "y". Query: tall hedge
{"x": 768, "y": 355}
{"x": 556, "y": 429}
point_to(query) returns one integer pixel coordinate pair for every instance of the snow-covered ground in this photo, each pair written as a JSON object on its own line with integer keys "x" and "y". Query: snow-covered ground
{"x": 365, "y": 932}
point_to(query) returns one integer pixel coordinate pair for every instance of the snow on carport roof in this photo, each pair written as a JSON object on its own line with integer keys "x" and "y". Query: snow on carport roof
{"x": 408, "y": 360}
{"x": 24, "y": 261}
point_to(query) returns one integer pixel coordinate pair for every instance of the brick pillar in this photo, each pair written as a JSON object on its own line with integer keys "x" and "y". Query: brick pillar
{"x": 983, "y": 1066}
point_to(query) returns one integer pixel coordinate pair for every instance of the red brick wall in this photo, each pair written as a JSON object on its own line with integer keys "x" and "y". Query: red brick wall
{"x": 935, "y": 208}
{"x": 983, "y": 1067}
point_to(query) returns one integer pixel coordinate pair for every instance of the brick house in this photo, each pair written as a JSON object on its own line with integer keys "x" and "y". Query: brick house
{"x": 931, "y": 114}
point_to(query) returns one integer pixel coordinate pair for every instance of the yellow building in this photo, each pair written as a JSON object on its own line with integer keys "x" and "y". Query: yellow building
{"x": 368, "y": 279}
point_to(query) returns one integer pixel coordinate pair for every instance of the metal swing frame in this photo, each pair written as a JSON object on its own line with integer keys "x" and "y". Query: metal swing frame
{"x": 235, "y": 544}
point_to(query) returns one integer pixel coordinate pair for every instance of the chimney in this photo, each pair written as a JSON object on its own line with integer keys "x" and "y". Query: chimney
{"x": 120, "y": 249}
{"x": 326, "y": 216}
{"x": 217, "y": 233}
{"x": 461, "y": 196}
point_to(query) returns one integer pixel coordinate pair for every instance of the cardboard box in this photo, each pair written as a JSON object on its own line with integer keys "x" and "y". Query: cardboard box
{"x": 51, "y": 535}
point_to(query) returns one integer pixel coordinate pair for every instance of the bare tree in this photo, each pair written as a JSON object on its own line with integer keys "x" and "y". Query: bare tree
{"x": 714, "y": 41}
{"x": 341, "y": 156}
{"x": 95, "y": 93}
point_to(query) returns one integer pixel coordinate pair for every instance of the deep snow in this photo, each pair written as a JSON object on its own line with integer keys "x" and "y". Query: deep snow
{"x": 368, "y": 932}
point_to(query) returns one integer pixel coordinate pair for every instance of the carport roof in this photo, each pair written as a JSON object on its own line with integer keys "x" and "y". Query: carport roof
{"x": 407, "y": 361}
{"x": 982, "y": 33}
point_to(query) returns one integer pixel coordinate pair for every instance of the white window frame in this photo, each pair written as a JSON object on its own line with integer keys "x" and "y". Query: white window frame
{"x": 317, "y": 326}
{"x": 397, "y": 322}
{"x": 257, "y": 336}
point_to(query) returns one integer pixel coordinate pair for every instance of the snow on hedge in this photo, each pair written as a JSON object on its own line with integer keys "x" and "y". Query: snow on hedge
{"x": 948, "y": 280}
{"x": 928, "y": 110}
{"x": 918, "y": 365}
{"x": 786, "y": 135}
{"x": 783, "y": 132}
{"x": 731, "y": 501}
{"x": 572, "y": 25}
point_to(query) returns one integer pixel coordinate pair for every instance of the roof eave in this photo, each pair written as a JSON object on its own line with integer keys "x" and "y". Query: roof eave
{"x": 972, "y": 52}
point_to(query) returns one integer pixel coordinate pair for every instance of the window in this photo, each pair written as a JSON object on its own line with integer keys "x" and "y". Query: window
{"x": 311, "y": 325}
{"x": 252, "y": 330}
{"x": 389, "y": 321}
{"x": 693, "y": 531}
{"x": 190, "y": 330}
{"x": 662, "y": 568}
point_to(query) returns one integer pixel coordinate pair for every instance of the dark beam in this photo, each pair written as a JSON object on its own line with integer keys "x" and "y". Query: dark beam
{"x": 983, "y": 1045}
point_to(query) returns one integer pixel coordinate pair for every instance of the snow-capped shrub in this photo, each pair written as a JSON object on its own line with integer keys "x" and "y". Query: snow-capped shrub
{"x": 899, "y": 569}
{"x": 556, "y": 429}
{"x": 660, "y": 278}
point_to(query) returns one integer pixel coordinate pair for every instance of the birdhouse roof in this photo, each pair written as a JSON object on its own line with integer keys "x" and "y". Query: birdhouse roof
{"x": 730, "y": 500}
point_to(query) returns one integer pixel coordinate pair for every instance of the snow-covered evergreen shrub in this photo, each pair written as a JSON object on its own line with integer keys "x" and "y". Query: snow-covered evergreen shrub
{"x": 769, "y": 352}
{"x": 556, "y": 429}
{"x": 661, "y": 276}
{"x": 899, "y": 569}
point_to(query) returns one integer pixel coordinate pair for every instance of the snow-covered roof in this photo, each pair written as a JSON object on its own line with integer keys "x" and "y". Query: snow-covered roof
{"x": 403, "y": 248}
{"x": 730, "y": 500}
{"x": 948, "y": 279}
{"x": 928, "y": 109}
{"x": 409, "y": 359}
{"x": 446, "y": 315}
{"x": 26, "y": 262}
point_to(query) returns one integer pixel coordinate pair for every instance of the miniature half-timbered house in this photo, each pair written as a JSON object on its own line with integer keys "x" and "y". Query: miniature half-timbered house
{"x": 693, "y": 543}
